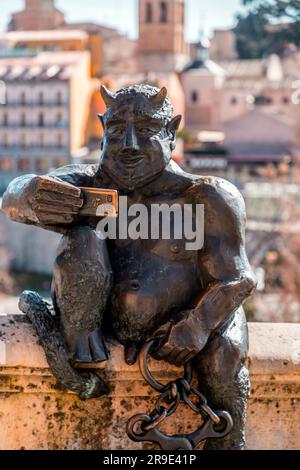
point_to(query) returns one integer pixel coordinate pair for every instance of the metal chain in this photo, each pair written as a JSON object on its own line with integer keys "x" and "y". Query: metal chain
{"x": 172, "y": 393}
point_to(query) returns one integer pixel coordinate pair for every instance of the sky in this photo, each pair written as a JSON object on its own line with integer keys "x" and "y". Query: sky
{"x": 122, "y": 14}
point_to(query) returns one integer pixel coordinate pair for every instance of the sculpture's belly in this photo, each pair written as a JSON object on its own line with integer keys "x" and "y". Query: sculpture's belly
{"x": 148, "y": 290}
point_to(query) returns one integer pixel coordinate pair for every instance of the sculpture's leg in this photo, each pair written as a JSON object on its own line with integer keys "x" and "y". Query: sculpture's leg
{"x": 81, "y": 284}
{"x": 87, "y": 384}
{"x": 224, "y": 379}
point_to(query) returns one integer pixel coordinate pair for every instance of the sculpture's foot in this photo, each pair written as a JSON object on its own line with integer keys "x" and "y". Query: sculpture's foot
{"x": 131, "y": 353}
{"x": 85, "y": 384}
{"x": 87, "y": 347}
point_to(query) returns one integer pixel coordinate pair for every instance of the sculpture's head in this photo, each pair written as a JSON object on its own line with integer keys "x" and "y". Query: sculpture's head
{"x": 139, "y": 134}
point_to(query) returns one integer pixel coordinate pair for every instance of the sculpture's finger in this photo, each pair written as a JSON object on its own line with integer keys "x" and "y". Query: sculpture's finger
{"x": 163, "y": 352}
{"x": 53, "y": 185}
{"x": 48, "y": 196}
{"x": 55, "y": 209}
{"x": 189, "y": 357}
{"x": 55, "y": 219}
{"x": 181, "y": 357}
{"x": 173, "y": 356}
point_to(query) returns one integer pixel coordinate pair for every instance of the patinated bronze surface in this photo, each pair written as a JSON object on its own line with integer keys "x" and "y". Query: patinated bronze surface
{"x": 140, "y": 289}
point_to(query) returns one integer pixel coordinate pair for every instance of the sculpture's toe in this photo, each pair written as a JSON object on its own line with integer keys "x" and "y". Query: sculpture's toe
{"x": 131, "y": 353}
{"x": 97, "y": 346}
{"x": 86, "y": 347}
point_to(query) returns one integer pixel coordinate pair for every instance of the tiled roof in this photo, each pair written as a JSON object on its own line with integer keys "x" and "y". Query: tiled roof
{"x": 244, "y": 68}
{"x": 44, "y": 66}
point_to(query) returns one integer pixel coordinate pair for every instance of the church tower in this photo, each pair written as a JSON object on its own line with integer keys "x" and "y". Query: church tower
{"x": 161, "y": 45}
{"x": 37, "y": 15}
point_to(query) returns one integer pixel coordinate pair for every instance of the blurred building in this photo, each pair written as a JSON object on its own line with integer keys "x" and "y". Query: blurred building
{"x": 58, "y": 40}
{"x": 37, "y": 15}
{"x": 44, "y": 118}
{"x": 118, "y": 51}
{"x": 203, "y": 82}
{"x": 223, "y": 45}
{"x": 161, "y": 44}
{"x": 241, "y": 115}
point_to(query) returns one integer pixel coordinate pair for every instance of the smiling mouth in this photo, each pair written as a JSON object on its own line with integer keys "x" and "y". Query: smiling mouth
{"x": 131, "y": 161}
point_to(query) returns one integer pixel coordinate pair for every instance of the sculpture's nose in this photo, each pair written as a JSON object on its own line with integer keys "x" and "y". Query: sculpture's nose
{"x": 130, "y": 142}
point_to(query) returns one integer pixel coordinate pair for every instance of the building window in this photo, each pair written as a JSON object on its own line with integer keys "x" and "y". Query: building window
{"x": 23, "y": 120}
{"x": 41, "y": 140}
{"x": 5, "y": 120}
{"x": 42, "y": 165}
{"x": 23, "y": 164}
{"x": 194, "y": 96}
{"x": 41, "y": 121}
{"x": 163, "y": 12}
{"x": 6, "y": 165}
{"x": 59, "y": 141}
{"x": 41, "y": 98}
{"x": 233, "y": 100}
{"x": 59, "y": 98}
{"x": 261, "y": 100}
{"x": 59, "y": 119}
{"x": 23, "y": 140}
{"x": 5, "y": 140}
{"x": 149, "y": 12}
{"x": 23, "y": 98}
{"x": 2, "y": 92}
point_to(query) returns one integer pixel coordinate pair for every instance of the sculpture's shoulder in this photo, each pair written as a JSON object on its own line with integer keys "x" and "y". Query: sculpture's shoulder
{"x": 215, "y": 191}
{"x": 224, "y": 206}
{"x": 77, "y": 174}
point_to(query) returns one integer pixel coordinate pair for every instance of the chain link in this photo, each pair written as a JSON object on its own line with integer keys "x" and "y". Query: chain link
{"x": 173, "y": 393}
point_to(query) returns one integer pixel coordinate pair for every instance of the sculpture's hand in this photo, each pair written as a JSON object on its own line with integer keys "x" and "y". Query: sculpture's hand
{"x": 52, "y": 201}
{"x": 181, "y": 341}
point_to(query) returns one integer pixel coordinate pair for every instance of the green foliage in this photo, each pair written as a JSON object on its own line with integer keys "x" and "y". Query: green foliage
{"x": 269, "y": 26}
{"x": 250, "y": 310}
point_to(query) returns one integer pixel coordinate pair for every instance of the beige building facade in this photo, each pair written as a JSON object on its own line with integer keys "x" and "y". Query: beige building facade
{"x": 43, "y": 119}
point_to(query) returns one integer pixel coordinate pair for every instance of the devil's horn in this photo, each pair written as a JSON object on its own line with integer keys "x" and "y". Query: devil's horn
{"x": 159, "y": 99}
{"x": 107, "y": 96}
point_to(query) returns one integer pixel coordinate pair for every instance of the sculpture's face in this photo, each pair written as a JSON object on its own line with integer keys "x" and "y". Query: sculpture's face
{"x": 137, "y": 143}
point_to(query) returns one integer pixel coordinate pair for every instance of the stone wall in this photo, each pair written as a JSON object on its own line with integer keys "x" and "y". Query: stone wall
{"x": 36, "y": 414}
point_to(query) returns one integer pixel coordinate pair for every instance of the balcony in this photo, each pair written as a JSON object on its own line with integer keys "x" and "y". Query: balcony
{"x": 33, "y": 151}
{"x": 61, "y": 125}
{"x": 36, "y": 104}
{"x": 37, "y": 414}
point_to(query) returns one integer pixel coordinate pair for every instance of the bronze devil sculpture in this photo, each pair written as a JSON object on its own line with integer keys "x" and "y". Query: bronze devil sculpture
{"x": 138, "y": 290}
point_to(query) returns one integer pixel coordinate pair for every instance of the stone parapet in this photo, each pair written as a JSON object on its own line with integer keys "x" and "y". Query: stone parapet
{"x": 35, "y": 413}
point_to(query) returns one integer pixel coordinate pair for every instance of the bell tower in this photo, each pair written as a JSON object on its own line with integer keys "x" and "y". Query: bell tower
{"x": 161, "y": 45}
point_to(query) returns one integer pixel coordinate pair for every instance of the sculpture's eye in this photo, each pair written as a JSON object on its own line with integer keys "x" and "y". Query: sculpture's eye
{"x": 145, "y": 130}
{"x": 116, "y": 131}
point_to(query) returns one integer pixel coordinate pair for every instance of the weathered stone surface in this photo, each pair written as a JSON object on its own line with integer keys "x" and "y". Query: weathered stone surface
{"x": 35, "y": 413}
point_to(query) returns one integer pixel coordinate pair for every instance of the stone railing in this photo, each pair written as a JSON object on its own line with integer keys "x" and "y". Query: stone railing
{"x": 36, "y": 414}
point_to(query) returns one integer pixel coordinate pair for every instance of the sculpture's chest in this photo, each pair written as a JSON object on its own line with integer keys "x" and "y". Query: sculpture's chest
{"x": 165, "y": 227}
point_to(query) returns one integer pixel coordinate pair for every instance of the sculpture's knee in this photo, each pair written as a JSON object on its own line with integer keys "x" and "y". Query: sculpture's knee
{"x": 82, "y": 245}
{"x": 227, "y": 357}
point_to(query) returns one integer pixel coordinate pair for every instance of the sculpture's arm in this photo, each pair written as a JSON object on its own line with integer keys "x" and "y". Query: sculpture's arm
{"x": 225, "y": 269}
{"x": 51, "y": 201}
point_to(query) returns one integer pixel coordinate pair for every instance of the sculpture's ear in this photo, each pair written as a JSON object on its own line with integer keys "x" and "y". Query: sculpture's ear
{"x": 173, "y": 125}
{"x": 101, "y": 119}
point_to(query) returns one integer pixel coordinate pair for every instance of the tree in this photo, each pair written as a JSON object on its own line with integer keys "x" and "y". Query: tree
{"x": 269, "y": 26}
